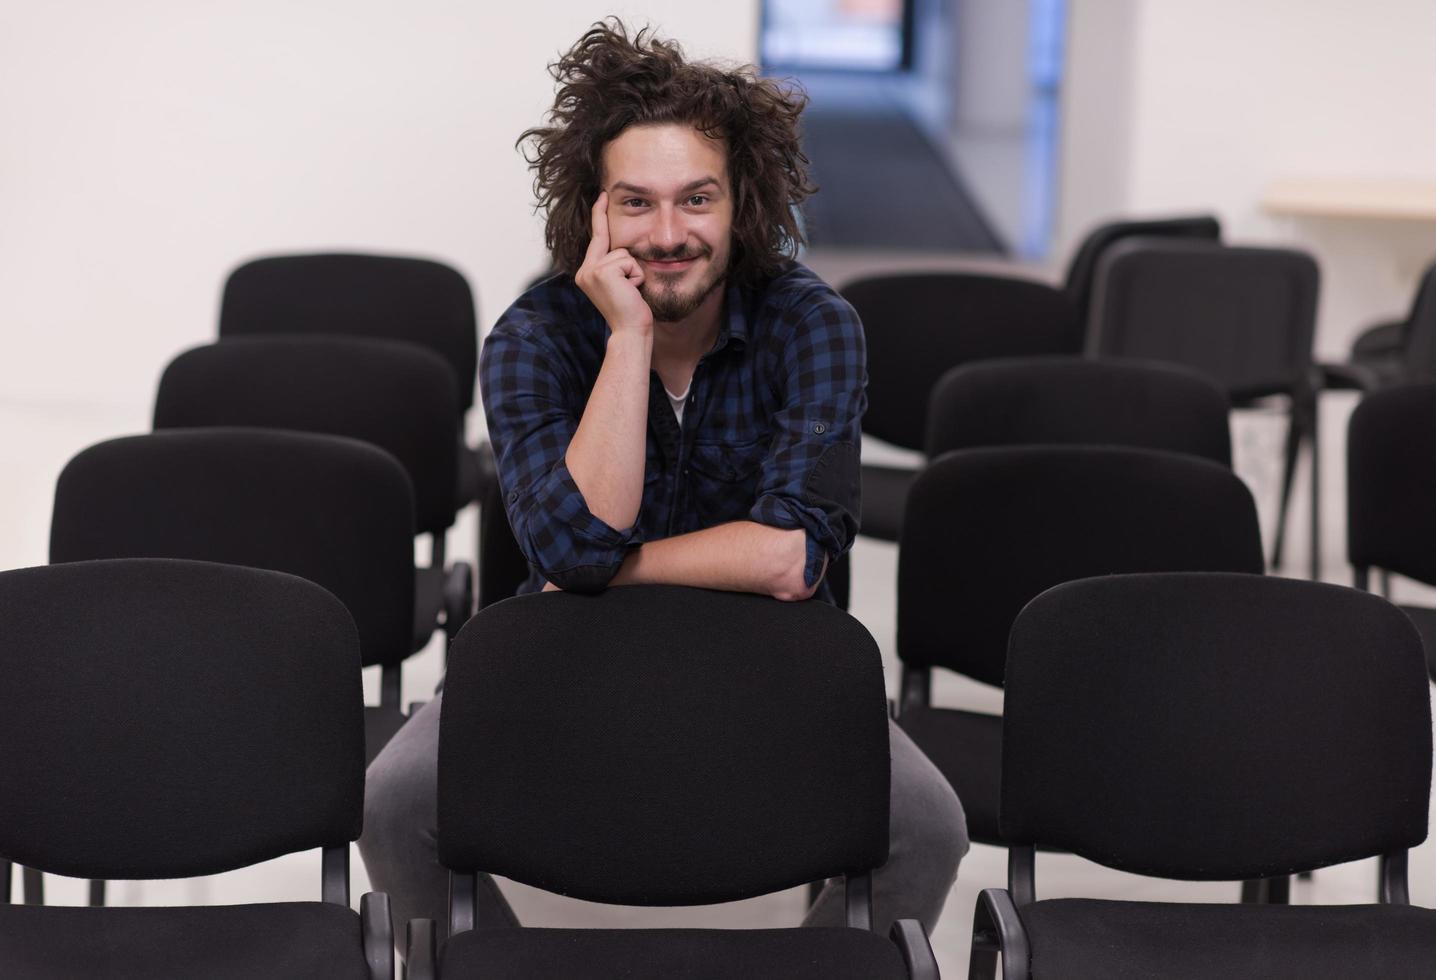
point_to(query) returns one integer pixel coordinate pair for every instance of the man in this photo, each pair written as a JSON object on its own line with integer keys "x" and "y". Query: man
{"x": 679, "y": 405}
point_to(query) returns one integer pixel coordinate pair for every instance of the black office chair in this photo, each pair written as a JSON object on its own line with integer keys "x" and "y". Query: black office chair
{"x": 397, "y": 396}
{"x": 1393, "y": 353}
{"x": 989, "y": 529}
{"x": 1080, "y": 280}
{"x": 579, "y": 754}
{"x": 129, "y": 708}
{"x": 917, "y": 327}
{"x": 503, "y": 568}
{"x": 334, "y": 511}
{"x": 1390, "y": 487}
{"x": 383, "y": 297}
{"x": 1201, "y": 728}
{"x": 1243, "y": 316}
{"x": 1075, "y": 401}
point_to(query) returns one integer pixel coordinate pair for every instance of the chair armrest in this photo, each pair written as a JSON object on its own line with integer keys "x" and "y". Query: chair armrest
{"x": 458, "y": 597}
{"x": 997, "y": 928}
{"x": 1347, "y": 377}
{"x": 916, "y": 951}
{"x": 377, "y": 927}
{"x": 419, "y": 962}
{"x": 1380, "y": 339}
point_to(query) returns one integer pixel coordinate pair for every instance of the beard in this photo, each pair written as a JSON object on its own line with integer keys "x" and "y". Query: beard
{"x": 669, "y": 303}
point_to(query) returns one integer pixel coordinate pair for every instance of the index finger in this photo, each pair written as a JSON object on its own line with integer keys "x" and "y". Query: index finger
{"x": 598, "y": 244}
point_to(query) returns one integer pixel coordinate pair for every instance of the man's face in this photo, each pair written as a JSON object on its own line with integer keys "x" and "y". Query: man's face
{"x": 670, "y": 205}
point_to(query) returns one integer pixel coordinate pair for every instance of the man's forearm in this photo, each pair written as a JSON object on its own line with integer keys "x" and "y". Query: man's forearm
{"x": 606, "y": 455}
{"x": 743, "y": 556}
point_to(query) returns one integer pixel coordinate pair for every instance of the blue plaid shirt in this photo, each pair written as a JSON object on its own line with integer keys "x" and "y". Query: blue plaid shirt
{"x": 770, "y": 430}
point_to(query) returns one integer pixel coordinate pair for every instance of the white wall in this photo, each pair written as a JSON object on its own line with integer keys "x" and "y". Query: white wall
{"x": 1225, "y": 96}
{"x": 146, "y": 147}
{"x": 1096, "y": 117}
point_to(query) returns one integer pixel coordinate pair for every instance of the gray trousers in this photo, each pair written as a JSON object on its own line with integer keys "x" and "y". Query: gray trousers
{"x": 928, "y": 837}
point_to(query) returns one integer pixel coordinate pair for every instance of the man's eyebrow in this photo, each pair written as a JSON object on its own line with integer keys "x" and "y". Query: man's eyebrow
{"x": 687, "y": 188}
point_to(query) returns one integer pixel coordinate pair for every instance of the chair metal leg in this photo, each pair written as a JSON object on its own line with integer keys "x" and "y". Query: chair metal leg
{"x": 1279, "y": 890}
{"x": 97, "y": 893}
{"x": 1290, "y": 454}
{"x": 34, "y": 886}
{"x": 815, "y": 888}
{"x": 1267, "y": 891}
{"x": 1313, "y": 434}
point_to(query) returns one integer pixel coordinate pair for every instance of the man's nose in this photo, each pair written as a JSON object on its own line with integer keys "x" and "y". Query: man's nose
{"x": 668, "y": 232}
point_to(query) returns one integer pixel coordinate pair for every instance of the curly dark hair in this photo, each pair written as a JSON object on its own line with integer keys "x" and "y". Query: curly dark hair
{"x": 609, "y": 81}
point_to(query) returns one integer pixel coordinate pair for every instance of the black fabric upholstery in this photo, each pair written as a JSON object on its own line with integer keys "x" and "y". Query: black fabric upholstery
{"x": 1083, "y": 939}
{"x": 1075, "y": 400}
{"x": 168, "y": 718}
{"x": 663, "y": 746}
{"x": 1425, "y": 622}
{"x": 967, "y": 748}
{"x": 675, "y": 954}
{"x": 1419, "y": 335}
{"x": 275, "y": 941}
{"x": 988, "y": 529}
{"x": 397, "y": 396}
{"x": 1216, "y": 726}
{"x": 1243, "y": 316}
{"x": 1082, "y": 269}
{"x": 428, "y": 602}
{"x": 885, "y": 490}
{"x": 379, "y": 296}
{"x": 917, "y": 326}
{"x": 1382, "y": 340}
{"x": 1391, "y": 482}
{"x": 334, "y": 511}
{"x": 502, "y": 565}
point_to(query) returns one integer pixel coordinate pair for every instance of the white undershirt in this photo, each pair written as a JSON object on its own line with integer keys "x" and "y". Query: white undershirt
{"x": 678, "y": 401}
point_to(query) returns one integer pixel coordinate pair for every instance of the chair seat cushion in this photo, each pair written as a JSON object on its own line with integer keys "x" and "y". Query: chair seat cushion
{"x": 967, "y": 748}
{"x": 1077, "y": 939}
{"x": 884, "y": 500}
{"x": 676, "y": 954}
{"x": 279, "y": 941}
{"x": 1425, "y": 620}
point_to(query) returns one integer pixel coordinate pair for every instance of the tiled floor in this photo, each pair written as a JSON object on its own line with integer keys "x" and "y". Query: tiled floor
{"x": 35, "y": 440}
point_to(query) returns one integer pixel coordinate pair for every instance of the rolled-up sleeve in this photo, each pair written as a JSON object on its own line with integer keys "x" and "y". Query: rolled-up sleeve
{"x": 811, "y": 477}
{"x": 533, "y": 409}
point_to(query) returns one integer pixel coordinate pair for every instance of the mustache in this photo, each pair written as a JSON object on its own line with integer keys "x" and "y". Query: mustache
{"x": 680, "y": 254}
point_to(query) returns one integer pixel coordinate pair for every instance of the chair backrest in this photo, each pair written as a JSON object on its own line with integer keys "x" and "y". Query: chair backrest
{"x": 397, "y": 396}
{"x": 1391, "y": 482}
{"x": 917, "y": 326}
{"x": 503, "y": 568}
{"x": 333, "y": 511}
{"x": 1072, "y": 400}
{"x": 1243, "y": 316}
{"x": 1420, "y": 330}
{"x": 988, "y": 529}
{"x": 378, "y": 296}
{"x": 657, "y": 745}
{"x": 1082, "y": 269}
{"x": 167, "y": 719}
{"x": 1215, "y": 727}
